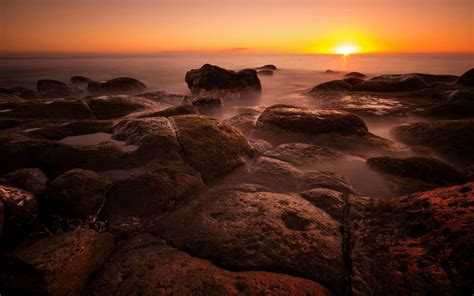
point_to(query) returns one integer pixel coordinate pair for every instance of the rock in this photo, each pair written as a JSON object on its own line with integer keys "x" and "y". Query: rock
{"x": 56, "y": 89}
{"x": 392, "y": 83}
{"x": 30, "y": 179}
{"x": 311, "y": 120}
{"x": 467, "y": 78}
{"x": 267, "y": 67}
{"x": 260, "y": 146}
{"x": 245, "y": 122}
{"x": 81, "y": 81}
{"x": 340, "y": 130}
{"x": 172, "y": 111}
{"x": 107, "y": 107}
{"x": 21, "y": 92}
{"x": 325, "y": 179}
{"x": 208, "y": 105}
{"x": 451, "y": 139}
{"x": 458, "y": 104}
{"x": 275, "y": 174}
{"x": 434, "y": 79}
{"x": 143, "y": 196}
{"x": 20, "y": 206}
{"x": 355, "y": 75}
{"x": 265, "y": 72}
{"x": 117, "y": 86}
{"x": 54, "y": 109}
{"x": 211, "y": 78}
{"x": 334, "y": 85}
{"x": 211, "y": 147}
{"x": 76, "y": 193}
{"x": 330, "y": 201}
{"x": 303, "y": 155}
{"x": 418, "y": 244}
{"x": 427, "y": 169}
{"x": 353, "y": 80}
{"x": 145, "y": 265}
{"x": 275, "y": 232}
{"x": 67, "y": 260}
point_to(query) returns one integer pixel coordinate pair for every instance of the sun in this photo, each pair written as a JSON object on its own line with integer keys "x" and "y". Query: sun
{"x": 346, "y": 49}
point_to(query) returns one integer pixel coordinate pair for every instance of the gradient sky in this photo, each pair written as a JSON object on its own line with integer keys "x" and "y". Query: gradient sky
{"x": 291, "y": 26}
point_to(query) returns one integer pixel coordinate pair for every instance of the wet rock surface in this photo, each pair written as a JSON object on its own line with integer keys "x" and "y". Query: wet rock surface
{"x": 146, "y": 264}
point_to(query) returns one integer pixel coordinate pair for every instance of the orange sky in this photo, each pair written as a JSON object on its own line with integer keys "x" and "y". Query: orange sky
{"x": 291, "y": 26}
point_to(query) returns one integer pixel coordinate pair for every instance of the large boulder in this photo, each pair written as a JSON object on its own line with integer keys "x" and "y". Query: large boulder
{"x": 451, "y": 139}
{"x": 343, "y": 131}
{"x": 467, "y": 78}
{"x": 56, "y": 89}
{"x": 118, "y": 86}
{"x": 211, "y": 147}
{"x": 413, "y": 245}
{"x": 311, "y": 120}
{"x": 211, "y": 78}
{"x": 137, "y": 200}
{"x": 66, "y": 261}
{"x": 21, "y": 207}
{"x": 392, "y": 83}
{"x": 147, "y": 266}
{"x": 76, "y": 193}
{"x": 457, "y": 104}
{"x": 275, "y": 232}
{"x": 29, "y": 179}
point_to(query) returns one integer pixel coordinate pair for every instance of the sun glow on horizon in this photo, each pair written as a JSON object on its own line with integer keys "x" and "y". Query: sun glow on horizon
{"x": 346, "y": 49}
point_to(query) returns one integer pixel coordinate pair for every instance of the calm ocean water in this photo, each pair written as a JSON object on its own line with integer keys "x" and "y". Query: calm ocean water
{"x": 166, "y": 71}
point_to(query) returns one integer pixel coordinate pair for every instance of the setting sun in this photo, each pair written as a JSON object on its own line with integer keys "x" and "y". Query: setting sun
{"x": 346, "y": 49}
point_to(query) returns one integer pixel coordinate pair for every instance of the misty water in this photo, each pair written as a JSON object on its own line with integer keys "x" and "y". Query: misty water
{"x": 296, "y": 74}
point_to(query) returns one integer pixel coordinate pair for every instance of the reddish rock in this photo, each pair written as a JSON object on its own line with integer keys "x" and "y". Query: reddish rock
{"x": 246, "y": 227}
{"x": 20, "y": 206}
{"x": 118, "y": 86}
{"x": 144, "y": 265}
{"x": 69, "y": 259}
{"x": 414, "y": 245}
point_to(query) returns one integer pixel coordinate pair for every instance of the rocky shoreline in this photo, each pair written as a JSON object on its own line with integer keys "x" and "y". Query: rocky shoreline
{"x": 107, "y": 188}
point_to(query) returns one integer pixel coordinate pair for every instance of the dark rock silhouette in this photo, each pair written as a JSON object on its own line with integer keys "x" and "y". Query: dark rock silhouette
{"x": 467, "y": 78}
{"x": 20, "y": 206}
{"x": 267, "y": 67}
{"x": 355, "y": 75}
{"x": 81, "y": 81}
{"x": 29, "y": 179}
{"x": 213, "y": 78}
